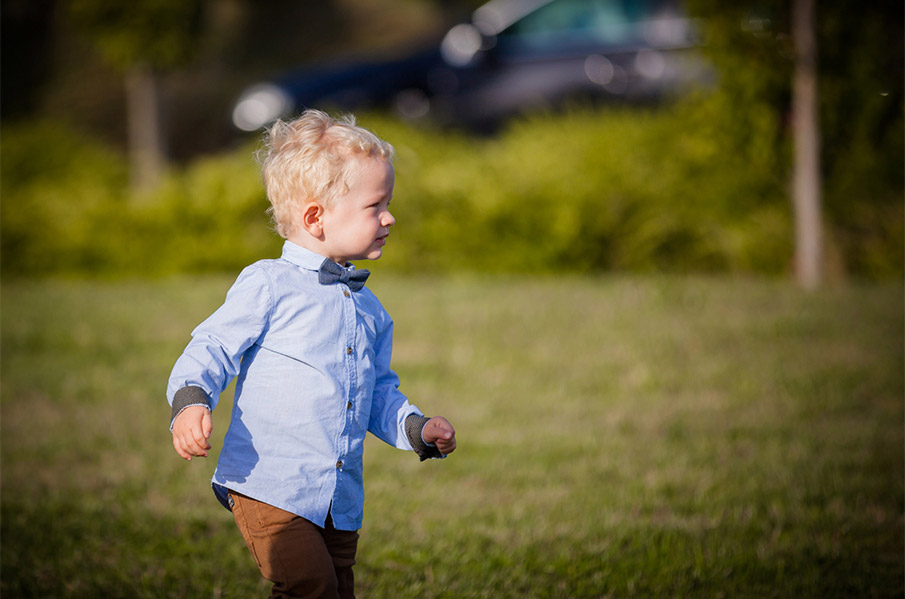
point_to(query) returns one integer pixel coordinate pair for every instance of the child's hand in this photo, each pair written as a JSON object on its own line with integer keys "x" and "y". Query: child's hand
{"x": 191, "y": 430}
{"x": 440, "y": 432}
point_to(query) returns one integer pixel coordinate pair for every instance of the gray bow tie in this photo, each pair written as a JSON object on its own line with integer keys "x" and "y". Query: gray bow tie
{"x": 330, "y": 272}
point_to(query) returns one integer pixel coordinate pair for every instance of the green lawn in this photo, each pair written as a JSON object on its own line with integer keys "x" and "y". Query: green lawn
{"x": 618, "y": 437}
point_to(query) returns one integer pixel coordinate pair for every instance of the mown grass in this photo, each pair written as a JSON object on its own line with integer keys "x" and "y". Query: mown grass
{"x": 618, "y": 437}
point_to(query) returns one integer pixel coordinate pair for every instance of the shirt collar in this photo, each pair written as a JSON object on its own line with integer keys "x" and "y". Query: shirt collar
{"x": 304, "y": 257}
{"x": 301, "y": 256}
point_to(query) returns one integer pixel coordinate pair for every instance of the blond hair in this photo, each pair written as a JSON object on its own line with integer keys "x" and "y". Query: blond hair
{"x": 313, "y": 158}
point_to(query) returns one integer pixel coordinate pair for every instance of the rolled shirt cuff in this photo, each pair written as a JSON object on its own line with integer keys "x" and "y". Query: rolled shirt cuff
{"x": 186, "y": 397}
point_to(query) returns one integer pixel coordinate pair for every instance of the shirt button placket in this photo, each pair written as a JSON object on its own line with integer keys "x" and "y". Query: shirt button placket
{"x": 349, "y": 318}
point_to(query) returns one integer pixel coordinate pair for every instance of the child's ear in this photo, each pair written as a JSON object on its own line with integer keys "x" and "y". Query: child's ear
{"x": 311, "y": 219}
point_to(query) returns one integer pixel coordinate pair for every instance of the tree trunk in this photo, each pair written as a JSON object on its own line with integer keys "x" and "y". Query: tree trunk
{"x": 146, "y": 148}
{"x": 806, "y": 186}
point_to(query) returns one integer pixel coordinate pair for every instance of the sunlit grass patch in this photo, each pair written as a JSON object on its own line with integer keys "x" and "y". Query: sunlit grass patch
{"x": 618, "y": 437}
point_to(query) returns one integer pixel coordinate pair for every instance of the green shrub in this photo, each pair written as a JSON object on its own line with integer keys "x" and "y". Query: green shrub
{"x": 587, "y": 191}
{"x": 686, "y": 188}
{"x": 67, "y": 209}
{"x": 210, "y": 217}
{"x": 57, "y": 189}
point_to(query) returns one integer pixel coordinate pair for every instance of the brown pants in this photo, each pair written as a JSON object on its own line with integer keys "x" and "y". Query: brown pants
{"x": 302, "y": 560}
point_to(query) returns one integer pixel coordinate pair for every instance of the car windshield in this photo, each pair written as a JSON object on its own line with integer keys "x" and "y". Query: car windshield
{"x": 570, "y": 22}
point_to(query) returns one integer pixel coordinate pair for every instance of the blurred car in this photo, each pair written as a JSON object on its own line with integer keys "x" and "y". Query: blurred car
{"x": 512, "y": 57}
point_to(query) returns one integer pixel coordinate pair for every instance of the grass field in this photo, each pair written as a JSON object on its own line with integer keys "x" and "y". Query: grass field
{"x": 618, "y": 437}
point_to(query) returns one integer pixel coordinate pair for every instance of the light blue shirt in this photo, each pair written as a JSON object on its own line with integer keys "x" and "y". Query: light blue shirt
{"x": 313, "y": 368}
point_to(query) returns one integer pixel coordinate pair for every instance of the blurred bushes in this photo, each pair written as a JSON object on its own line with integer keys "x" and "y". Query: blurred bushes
{"x": 67, "y": 209}
{"x": 591, "y": 190}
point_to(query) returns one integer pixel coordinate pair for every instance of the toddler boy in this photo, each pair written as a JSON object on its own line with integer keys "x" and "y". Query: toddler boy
{"x": 311, "y": 347}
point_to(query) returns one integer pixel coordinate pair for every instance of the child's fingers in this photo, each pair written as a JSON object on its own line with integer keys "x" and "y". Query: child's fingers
{"x": 198, "y": 443}
{"x": 201, "y": 441}
{"x": 446, "y": 446}
{"x": 177, "y": 445}
{"x": 439, "y": 428}
{"x": 187, "y": 449}
{"x": 191, "y": 430}
{"x": 441, "y": 433}
{"x": 207, "y": 426}
{"x": 191, "y": 443}
{"x": 445, "y": 432}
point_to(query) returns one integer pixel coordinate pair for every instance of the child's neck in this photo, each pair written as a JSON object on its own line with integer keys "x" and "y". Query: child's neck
{"x": 311, "y": 243}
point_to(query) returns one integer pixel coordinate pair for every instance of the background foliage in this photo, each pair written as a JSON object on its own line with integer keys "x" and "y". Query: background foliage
{"x": 593, "y": 189}
{"x": 861, "y": 63}
{"x": 696, "y": 186}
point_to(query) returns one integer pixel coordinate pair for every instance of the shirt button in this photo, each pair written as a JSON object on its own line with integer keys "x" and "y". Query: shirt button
{"x": 346, "y": 292}
{"x": 349, "y": 406}
{"x": 349, "y": 351}
{"x": 339, "y": 464}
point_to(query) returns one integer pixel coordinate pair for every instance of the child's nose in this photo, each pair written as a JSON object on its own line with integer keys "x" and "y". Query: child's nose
{"x": 388, "y": 219}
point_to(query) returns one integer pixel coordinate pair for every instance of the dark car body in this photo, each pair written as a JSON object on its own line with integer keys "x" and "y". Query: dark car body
{"x": 514, "y": 56}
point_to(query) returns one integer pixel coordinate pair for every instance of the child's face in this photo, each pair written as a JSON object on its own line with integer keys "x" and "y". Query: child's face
{"x": 357, "y": 225}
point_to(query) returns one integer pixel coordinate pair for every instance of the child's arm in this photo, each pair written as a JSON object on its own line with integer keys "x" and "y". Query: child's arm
{"x": 191, "y": 431}
{"x": 393, "y": 419}
{"x": 212, "y": 359}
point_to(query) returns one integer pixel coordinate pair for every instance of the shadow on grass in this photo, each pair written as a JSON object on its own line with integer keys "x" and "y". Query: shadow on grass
{"x": 78, "y": 547}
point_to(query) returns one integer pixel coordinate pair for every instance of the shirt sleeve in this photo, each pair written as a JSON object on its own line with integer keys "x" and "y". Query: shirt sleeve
{"x": 212, "y": 358}
{"x": 389, "y": 406}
